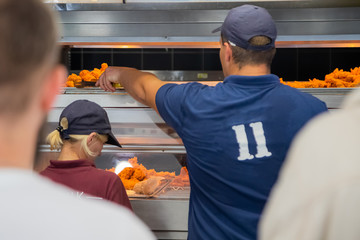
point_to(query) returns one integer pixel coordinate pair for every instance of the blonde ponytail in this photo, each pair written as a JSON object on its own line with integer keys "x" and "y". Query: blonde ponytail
{"x": 54, "y": 138}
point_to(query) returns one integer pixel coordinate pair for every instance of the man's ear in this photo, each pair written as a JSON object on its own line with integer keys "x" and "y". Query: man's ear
{"x": 51, "y": 86}
{"x": 228, "y": 52}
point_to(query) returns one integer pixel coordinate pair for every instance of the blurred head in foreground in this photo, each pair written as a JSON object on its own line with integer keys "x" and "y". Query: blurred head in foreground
{"x": 29, "y": 81}
{"x": 30, "y": 76}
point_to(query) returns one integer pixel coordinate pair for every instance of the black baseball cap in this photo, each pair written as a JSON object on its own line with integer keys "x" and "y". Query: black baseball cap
{"x": 245, "y": 22}
{"x": 85, "y": 117}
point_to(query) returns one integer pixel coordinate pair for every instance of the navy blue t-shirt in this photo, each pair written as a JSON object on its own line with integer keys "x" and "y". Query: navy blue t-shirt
{"x": 236, "y": 136}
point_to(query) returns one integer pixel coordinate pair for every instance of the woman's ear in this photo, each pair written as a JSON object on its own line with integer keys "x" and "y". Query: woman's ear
{"x": 91, "y": 137}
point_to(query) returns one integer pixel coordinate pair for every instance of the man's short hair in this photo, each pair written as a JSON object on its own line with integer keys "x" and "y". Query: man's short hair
{"x": 28, "y": 46}
{"x": 244, "y": 57}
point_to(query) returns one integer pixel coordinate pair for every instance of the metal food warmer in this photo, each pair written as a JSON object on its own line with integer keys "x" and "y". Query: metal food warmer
{"x": 184, "y": 24}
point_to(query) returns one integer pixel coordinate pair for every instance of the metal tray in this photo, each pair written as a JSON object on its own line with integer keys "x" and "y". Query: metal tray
{"x": 164, "y": 183}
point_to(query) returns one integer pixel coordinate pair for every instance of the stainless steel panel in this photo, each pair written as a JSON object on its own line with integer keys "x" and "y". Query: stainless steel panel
{"x": 189, "y": 75}
{"x": 121, "y": 115}
{"x": 164, "y": 30}
{"x": 332, "y": 101}
{"x": 333, "y": 97}
{"x": 197, "y": 4}
{"x": 193, "y": 31}
{"x": 168, "y": 149}
{"x": 107, "y": 100}
{"x": 136, "y": 17}
{"x": 319, "y": 28}
{"x": 169, "y": 215}
{"x": 121, "y": 42}
{"x": 205, "y": 16}
{"x": 176, "y": 235}
{"x": 119, "y": 26}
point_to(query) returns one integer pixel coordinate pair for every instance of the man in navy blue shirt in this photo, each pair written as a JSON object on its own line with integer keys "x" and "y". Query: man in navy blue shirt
{"x": 236, "y": 133}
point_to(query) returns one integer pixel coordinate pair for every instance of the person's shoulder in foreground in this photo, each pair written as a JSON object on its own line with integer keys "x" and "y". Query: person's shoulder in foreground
{"x": 318, "y": 193}
{"x": 33, "y": 207}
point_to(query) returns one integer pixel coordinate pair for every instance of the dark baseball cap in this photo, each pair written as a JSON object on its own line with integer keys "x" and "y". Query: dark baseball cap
{"x": 245, "y": 22}
{"x": 85, "y": 117}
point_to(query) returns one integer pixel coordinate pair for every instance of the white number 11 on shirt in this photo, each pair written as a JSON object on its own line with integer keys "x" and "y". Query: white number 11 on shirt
{"x": 241, "y": 137}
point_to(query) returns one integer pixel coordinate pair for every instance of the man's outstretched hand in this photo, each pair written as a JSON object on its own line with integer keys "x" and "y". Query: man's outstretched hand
{"x": 111, "y": 75}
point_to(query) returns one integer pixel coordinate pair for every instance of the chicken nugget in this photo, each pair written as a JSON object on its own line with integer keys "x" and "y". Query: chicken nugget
{"x": 126, "y": 173}
{"x": 139, "y": 174}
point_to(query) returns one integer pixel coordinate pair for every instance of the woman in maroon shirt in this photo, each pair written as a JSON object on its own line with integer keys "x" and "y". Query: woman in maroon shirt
{"x": 83, "y": 129}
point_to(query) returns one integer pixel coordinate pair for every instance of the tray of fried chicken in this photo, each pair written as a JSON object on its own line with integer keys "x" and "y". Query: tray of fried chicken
{"x": 137, "y": 185}
{"x": 339, "y": 78}
{"x": 87, "y": 78}
{"x": 140, "y": 182}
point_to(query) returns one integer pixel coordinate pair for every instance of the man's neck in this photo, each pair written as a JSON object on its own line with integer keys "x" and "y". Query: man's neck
{"x": 250, "y": 70}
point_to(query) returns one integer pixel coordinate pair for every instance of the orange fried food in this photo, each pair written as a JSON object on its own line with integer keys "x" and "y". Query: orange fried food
{"x": 356, "y": 82}
{"x": 129, "y": 183}
{"x": 139, "y": 174}
{"x": 96, "y": 73}
{"x": 73, "y": 77}
{"x": 316, "y": 83}
{"x": 83, "y": 73}
{"x": 86, "y": 75}
{"x": 130, "y": 176}
{"x": 337, "y": 79}
{"x": 126, "y": 173}
{"x": 69, "y": 84}
{"x": 150, "y": 172}
{"x": 182, "y": 180}
{"x": 164, "y": 174}
{"x": 104, "y": 66}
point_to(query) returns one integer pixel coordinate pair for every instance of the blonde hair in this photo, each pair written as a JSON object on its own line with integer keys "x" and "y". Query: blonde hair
{"x": 56, "y": 142}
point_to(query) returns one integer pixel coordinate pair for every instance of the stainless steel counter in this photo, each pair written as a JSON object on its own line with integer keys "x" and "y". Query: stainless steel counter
{"x": 166, "y": 215}
{"x": 333, "y": 98}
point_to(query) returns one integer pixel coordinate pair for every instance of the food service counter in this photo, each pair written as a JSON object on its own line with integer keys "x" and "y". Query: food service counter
{"x": 144, "y": 135}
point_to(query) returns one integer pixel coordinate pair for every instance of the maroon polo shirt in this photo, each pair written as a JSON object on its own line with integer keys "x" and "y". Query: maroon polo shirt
{"x": 85, "y": 178}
